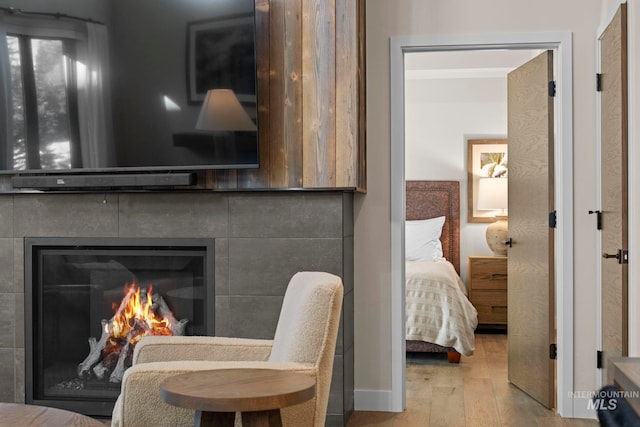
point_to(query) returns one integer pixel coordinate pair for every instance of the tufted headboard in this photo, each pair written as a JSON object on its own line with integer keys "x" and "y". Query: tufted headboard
{"x": 429, "y": 199}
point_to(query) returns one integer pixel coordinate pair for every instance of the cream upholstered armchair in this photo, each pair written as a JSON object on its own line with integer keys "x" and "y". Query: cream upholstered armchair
{"x": 304, "y": 341}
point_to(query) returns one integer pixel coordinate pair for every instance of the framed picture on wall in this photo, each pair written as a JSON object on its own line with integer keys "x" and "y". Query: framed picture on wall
{"x": 486, "y": 158}
{"x": 220, "y": 55}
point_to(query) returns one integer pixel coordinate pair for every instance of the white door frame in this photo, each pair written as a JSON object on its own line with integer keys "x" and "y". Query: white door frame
{"x": 561, "y": 42}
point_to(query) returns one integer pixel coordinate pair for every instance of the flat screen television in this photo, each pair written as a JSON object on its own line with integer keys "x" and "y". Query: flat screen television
{"x": 133, "y": 89}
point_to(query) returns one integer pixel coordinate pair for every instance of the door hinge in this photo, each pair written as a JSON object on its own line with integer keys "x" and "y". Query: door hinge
{"x": 598, "y": 82}
{"x": 553, "y": 351}
{"x": 552, "y": 219}
{"x": 599, "y": 359}
{"x": 552, "y": 88}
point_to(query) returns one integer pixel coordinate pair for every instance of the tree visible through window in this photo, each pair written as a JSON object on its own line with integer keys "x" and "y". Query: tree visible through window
{"x": 43, "y": 95}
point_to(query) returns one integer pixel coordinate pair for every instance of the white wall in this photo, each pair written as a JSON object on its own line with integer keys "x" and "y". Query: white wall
{"x": 440, "y": 115}
{"x": 372, "y": 211}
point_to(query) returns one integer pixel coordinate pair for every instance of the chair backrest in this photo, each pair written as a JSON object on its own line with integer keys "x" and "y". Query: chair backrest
{"x": 308, "y": 324}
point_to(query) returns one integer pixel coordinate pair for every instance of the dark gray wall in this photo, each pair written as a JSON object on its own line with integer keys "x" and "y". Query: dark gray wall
{"x": 262, "y": 239}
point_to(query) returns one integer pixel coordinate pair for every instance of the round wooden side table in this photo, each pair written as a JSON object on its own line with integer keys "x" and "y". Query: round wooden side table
{"x": 18, "y": 414}
{"x": 258, "y": 394}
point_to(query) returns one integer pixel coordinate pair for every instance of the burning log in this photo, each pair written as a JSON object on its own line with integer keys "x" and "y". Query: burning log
{"x": 177, "y": 327}
{"x": 95, "y": 349}
{"x": 107, "y": 364}
{"x": 118, "y": 372}
{"x": 111, "y": 359}
{"x": 101, "y": 370}
{"x": 139, "y": 314}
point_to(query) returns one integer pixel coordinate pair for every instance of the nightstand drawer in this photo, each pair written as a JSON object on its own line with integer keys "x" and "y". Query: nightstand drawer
{"x": 491, "y": 306}
{"x": 488, "y": 288}
{"x": 495, "y": 298}
{"x": 488, "y": 314}
{"x": 492, "y": 281}
{"x": 488, "y": 273}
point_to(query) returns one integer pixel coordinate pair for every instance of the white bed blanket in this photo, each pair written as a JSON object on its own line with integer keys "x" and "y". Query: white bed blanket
{"x": 437, "y": 308}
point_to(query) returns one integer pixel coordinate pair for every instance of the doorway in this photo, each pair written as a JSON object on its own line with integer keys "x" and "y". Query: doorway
{"x": 561, "y": 43}
{"x": 454, "y": 99}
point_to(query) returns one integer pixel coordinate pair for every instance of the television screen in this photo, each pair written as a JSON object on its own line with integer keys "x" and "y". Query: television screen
{"x": 142, "y": 85}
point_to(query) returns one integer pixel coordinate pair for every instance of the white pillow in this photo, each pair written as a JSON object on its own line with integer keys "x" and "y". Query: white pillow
{"x": 422, "y": 239}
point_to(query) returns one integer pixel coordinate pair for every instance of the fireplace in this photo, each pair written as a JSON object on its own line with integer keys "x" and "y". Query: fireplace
{"x": 88, "y": 301}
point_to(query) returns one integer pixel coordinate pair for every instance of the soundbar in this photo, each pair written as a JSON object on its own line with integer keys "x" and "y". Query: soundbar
{"x": 64, "y": 182}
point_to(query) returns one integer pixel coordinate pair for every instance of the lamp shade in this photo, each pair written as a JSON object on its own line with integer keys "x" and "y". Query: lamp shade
{"x": 221, "y": 111}
{"x": 493, "y": 194}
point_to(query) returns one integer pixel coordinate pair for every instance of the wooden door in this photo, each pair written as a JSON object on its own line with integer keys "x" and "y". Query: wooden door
{"x": 531, "y": 199}
{"x": 613, "y": 143}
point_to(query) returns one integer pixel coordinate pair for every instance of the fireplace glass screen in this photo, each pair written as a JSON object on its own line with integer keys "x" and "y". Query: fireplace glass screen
{"x": 90, "y": 304}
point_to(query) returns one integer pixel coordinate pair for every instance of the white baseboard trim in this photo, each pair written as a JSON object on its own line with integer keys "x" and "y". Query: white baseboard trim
{"x": 581, "y": 410}
{"x": 373, "y": 400}
{"x": 381, "y": 401}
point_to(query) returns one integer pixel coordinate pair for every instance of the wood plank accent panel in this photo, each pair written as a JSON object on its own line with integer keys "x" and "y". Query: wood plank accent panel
{"x": 277, "y": 84}
{"x": 319, "y": 92}
{"x": 293, "y": 94}
{"x": 346, "y": 85}
{"x": 311, "y": 88}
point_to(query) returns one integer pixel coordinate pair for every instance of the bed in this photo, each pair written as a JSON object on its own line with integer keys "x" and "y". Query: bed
{"x": 439, "y": 316}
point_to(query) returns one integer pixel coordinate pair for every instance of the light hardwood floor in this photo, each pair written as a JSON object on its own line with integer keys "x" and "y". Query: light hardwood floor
{"x": 474, "y": 393}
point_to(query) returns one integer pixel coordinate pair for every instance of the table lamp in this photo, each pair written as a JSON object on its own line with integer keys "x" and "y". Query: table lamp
{"x": 493, "y": 194}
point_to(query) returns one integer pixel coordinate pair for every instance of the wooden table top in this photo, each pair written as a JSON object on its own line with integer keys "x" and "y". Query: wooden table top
{"x": 238, "y": 390}
{"x": 18, "y": 414}
{"x": 625, "y": 373}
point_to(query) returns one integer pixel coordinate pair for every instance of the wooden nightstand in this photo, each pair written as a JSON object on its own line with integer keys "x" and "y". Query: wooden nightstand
{"x": 488, "y": 289}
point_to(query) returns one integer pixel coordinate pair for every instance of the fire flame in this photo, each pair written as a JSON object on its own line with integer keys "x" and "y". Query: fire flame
{"x": 134, "y": 319}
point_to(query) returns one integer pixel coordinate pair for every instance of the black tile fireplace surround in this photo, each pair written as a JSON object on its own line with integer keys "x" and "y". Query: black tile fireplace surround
{"x": 73, "y": 289}
{"x": 261, "y": 239}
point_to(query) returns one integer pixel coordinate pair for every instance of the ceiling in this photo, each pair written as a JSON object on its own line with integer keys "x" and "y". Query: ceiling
{"x": 464, "y": 64}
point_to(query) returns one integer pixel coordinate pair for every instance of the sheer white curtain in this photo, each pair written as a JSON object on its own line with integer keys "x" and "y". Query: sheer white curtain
{"x": 94, "y": 100}
{"x": 6, "y": 106}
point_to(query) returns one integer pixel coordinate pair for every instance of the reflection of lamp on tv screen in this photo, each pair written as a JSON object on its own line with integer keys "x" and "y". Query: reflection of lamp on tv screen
{"x": 221, "y": 111}
{"x": 130, "y": 107}
{"x": 230, "y": 130}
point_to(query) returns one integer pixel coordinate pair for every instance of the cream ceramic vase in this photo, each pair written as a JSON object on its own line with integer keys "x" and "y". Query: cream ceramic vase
{"x": 497, "y": 232}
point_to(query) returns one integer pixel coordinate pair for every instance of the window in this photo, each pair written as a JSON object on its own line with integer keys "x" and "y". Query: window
{"x": 44, "y": 102}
